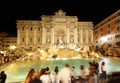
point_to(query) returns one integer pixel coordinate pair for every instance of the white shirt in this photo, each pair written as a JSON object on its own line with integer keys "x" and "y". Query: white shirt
{"x": 45, "y": 79}
{"x": 65, "y": 75}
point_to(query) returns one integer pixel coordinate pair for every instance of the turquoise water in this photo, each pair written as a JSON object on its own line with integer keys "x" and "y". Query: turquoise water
{"x": 17, "y": 71}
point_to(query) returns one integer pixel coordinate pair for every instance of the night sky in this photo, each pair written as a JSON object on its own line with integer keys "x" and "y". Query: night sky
{"x": 85, "y": 10}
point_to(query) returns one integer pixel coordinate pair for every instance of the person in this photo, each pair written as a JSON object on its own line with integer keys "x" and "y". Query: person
{"x": 103, "y": 70}
{"x": 92, "y": 73}
{"x": 43, "y": 76}
{"x": 83, "y": 77}
{"x": 96, "y": 65}
{"x": 3, "y": 77}
{"x": 82, "y": 72}
{"x": 56, "y": 77}
{"x": 35, "y": 78}
{"x": 47, "y": 72}
{"x": 29, "y": 75}
{"x": 73, "y": 74}
{"x": 65, "y": 75}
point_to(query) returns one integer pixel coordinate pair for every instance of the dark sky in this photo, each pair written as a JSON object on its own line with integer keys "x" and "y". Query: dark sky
{"x": 85, "y": 10}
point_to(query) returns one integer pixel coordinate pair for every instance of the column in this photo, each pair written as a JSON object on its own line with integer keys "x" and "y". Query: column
{"x": 91, "y": 35}
{"x": 52, "y": 36}
{"x": 68, "y": 36}
{"x": 81, "y": 38}
{"x": 75, "y": 36}
{"x": 18, "y": 36}
{"x": 27, "y": 28}
{"x": 86, "y": 32}
{"x": 35, "y": 39}
{"x": 43, "y": 36}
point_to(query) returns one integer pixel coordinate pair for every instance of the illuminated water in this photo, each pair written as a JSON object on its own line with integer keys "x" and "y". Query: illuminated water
{"x": 17, "y": 71}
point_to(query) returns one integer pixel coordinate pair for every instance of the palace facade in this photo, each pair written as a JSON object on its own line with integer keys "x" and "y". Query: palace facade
{"x": 54, "y": 30}
{"x": 107, "y": 32}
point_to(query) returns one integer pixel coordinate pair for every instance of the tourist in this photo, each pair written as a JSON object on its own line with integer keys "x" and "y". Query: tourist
{"x": 91, "y": 69}
{"x": 56, "y": 77}
{"x": 83, "y": 77}
{"x": 73, "y": 74}
{"x": 47, "y": 72}
{"x": 44, "y": 77}
{"x": 65, "y": 75}
{"x": 29, "y": 75}
{"x": 92, "y": 75}
{"x": 35, "y": 78}
{"x": 96, "y": 65}
{"x": 82, "y": 72}
{"x": 3, "y": 77}
{"x": 103, "y": 70}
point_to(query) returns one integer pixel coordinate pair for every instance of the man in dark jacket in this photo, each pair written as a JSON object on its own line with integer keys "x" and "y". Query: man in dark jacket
{"x": 3, "y": 76}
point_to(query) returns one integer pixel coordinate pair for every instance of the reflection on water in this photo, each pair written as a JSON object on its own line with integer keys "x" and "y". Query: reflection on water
{"x": 17, "y": 71}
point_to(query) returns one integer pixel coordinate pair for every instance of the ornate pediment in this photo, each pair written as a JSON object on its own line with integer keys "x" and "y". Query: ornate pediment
{"x": 60, "y": 13}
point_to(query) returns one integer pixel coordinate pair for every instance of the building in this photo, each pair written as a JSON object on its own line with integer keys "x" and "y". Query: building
{"x": 7, "y": 42}
{"x": 53, "y": 30}
{"x": 107, "y": 32}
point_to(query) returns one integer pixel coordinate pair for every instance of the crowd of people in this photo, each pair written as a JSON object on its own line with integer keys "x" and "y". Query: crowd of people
{"x": 8, "y": 58}
{"x": 67, "y": 74}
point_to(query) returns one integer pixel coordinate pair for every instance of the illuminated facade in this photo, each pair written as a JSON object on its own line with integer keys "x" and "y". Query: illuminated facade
{"x": 51, "y": 30}
{"x": 6, "y": 41}
{"x": 108, "y": 31}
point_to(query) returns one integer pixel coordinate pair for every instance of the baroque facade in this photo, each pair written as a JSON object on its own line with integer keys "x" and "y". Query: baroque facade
{"x": 58, "y": 29}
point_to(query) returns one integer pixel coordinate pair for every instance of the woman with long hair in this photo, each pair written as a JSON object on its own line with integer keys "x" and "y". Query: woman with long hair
{"x": 29, "y": 75}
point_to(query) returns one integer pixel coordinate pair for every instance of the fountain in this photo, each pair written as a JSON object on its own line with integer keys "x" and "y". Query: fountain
{"x": 16, "y": 71}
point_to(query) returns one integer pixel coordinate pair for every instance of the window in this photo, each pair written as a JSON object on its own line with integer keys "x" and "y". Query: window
{"x": 38, "y": 28}
{"x": 7, "y": 46}
{"x": 117, "y": 36}
{"x": 108, "y": 31}
{"x": 38, "y": 39}
{"x": 89, "y": 39}
{"x": 109, "y": 45}
{"x": 109, "y": 38}
{"x": 22, "y": 39}
{"x": 83, "y": 30}
{"x": 78, "y": 29}
{"x": 101, "y": 34}
{"x": 118, "y": 28}
{"x": 108, "y": 26}
{"x": 118, "y": 13}
{"x": 22, "y": 28}
{"x": 31, "y": 28}
{"x": 118, "y": 43}
{"x": 101, "y": 31}
{"x": 83, "y": 39}
{"x": 117, "y": 21}
{"x": 30, "y": 39}
{"x": 96, "y": 37}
